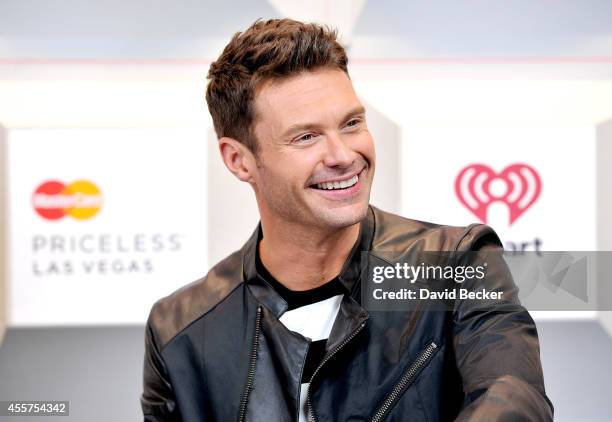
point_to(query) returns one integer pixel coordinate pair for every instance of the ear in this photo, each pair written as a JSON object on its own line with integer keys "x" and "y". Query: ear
{"x": 237, "y": 158}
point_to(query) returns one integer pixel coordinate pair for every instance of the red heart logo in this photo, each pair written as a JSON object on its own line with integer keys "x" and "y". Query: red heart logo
{"x": 518, "y": 186}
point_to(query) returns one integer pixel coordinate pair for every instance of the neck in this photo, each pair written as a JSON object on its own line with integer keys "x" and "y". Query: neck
{"x": 302, "y": 258}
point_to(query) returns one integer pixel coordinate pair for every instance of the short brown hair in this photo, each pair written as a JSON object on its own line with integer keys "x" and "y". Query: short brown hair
{"x": 268, "y": 49}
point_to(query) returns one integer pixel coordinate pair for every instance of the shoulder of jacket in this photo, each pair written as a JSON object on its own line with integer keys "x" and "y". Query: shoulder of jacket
{"x": 393, "y": 232}
{"x": 175, "y": 312}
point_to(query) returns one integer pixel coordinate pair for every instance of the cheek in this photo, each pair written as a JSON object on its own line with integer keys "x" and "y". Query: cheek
{"x": 364, "y": 144}
{"x": 285, "y": 178}
{"x": 301, "y": 165}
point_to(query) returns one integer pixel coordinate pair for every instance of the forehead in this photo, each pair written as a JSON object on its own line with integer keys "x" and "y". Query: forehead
{"x": 310, "y": 97}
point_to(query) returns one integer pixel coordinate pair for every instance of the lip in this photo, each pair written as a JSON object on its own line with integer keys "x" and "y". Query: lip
{"x": 341, "y": 194}
{"x": 339, "y": 179}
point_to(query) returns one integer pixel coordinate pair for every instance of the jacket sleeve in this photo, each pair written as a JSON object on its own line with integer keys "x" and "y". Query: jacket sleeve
{"x": 496, "y": 344}
{"x": 157, "y": 400}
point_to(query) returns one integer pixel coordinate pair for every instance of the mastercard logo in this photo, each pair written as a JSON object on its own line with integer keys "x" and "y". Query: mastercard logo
{"x": 53, "y": 200}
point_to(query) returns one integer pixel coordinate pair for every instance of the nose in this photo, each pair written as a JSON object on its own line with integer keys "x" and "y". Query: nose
{"x": 337, "y": 153}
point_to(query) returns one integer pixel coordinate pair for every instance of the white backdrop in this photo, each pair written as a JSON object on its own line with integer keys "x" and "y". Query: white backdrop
{"x": 147, "y": 239}
{"x": 561, "y": 217}
{"x": 433, "y": 128}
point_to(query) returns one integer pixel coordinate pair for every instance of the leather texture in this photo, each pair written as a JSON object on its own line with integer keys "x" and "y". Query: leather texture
{"x": 216, "y": 350}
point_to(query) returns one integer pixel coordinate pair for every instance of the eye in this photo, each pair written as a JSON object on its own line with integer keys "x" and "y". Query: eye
{"x": 305, "y": 137}
{"x": 353, "y": 122}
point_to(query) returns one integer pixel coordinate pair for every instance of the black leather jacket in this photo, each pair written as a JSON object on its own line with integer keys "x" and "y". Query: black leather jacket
{"x": 216, "y": 350}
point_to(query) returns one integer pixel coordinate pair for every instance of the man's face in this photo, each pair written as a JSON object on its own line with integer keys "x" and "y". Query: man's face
{"x": 315, "y": 162}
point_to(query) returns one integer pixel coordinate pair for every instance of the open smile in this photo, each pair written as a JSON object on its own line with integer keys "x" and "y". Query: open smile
{"x": 342, "y": 184}
{"x": 340, "y": 188}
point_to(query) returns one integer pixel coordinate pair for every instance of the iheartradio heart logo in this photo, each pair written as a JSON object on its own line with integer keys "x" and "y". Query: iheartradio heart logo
{"x": 478, "y": 185}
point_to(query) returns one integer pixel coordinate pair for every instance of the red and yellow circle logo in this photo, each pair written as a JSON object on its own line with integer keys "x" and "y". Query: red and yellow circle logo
{"x": 54, "y": 200}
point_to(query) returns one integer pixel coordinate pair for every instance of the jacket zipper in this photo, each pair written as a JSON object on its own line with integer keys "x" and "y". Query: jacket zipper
{"x": 311, "y": 414}
{"x": 251, "y": 376}
{"x": 405, "y": 381}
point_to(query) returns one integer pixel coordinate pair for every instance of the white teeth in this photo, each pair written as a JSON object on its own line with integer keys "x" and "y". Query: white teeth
{"x": 338, "y": 185}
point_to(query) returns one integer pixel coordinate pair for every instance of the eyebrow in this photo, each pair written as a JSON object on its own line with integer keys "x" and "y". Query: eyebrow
{"x": 298, "y": 127}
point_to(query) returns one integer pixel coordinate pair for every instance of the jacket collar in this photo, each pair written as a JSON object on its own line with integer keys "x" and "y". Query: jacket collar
{"x": 349, "y": 275}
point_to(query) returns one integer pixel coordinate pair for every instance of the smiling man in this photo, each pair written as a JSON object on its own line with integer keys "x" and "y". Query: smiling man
{"x": 277, "y": 331}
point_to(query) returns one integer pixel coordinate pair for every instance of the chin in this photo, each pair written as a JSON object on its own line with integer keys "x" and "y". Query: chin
{"x": 342, "y": 217}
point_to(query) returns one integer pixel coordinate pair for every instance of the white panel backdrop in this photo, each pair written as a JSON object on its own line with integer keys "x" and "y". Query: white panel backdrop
{"x": 561, "y": 217}
{"x": 160, "y": 181}
{"x": 147, "y": 239}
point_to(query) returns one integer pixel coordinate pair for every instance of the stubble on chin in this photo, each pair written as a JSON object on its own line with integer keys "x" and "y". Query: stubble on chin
{"x": 339, "y": 218}
{"x": 281, "y": 204}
